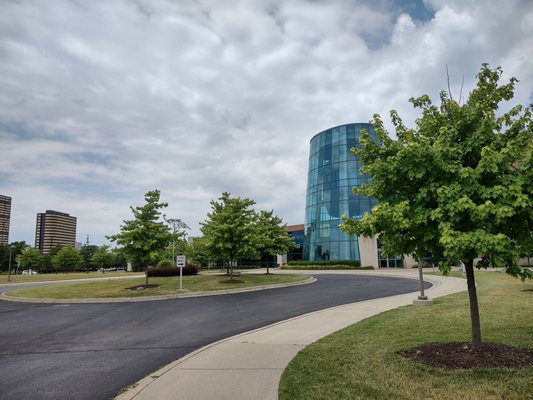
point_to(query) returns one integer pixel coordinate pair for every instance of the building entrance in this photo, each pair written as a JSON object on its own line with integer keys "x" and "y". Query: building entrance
{"x": 389, "y": 262}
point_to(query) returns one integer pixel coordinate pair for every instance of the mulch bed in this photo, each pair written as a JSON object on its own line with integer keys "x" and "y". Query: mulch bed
{"x": 466, "y": 355}
{"x": 142, "y": 287}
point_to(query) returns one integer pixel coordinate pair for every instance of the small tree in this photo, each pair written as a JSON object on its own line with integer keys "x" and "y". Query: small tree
{"x": 272, "y": 237}
{"x": 176, "y": 247}
{"x": 230, "y": 230}
{"x": 118, "y": 258}
{"x": 458, "y": 185}
{"x": 144, "y": 236}
{"x": 87, "y": 251}
{"x": 67, "y": 258}
{"x": 31, "y": 258}
{"x": 198, "y": 251}
{"x": 15, "y": 248}
{"x": 48, "y": 257}
{"x": 102, "y": 257}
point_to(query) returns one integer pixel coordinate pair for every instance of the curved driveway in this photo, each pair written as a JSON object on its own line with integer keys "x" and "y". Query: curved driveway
{"x": 90, "y": 351}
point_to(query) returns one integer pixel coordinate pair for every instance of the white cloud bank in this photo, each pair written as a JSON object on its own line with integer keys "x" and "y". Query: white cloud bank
{"x": 102, "y": 101}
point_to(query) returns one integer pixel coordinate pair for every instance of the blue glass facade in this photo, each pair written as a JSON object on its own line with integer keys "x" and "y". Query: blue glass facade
{"x": 333, "y": 172}
{"x": 298, "y": 235}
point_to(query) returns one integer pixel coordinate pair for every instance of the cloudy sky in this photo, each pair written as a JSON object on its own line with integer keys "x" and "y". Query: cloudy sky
{"x": 103, "y": 101}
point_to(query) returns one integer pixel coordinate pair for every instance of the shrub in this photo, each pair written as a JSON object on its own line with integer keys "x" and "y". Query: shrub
{"x": 316, "y": 267}
{"x": 349, "y": 263}
{"x": 189, "y": 269}
{"x": 163, "y": 271}
{"x": 327, "y": 267}
{"x": 165, "y": 263}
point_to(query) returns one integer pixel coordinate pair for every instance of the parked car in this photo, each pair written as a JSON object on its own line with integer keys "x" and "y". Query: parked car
{"x": 29, "y": 272}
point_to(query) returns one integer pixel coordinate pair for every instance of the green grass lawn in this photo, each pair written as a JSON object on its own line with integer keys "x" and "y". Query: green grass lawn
{"x": 61, "y": 277}
{"x": 361, "y": 361}
{"x": 168, "y": 285}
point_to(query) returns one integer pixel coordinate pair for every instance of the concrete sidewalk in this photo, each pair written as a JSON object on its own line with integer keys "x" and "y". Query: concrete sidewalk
{"x": 249, "y": 366}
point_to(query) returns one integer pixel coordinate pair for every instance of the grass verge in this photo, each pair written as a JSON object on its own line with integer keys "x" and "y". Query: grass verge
{"x": 62, "y": 277}
{"x": 167, "y": 285}
{"x": 361, "y": 361}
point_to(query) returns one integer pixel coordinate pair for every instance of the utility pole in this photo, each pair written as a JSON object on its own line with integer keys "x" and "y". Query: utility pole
{"x": 176, "y": 224}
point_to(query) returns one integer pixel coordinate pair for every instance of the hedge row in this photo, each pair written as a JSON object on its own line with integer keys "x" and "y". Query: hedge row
{"x": 189, "y": 269}
{"x": 350, "y": 263}
{"x": 326, "y": 267}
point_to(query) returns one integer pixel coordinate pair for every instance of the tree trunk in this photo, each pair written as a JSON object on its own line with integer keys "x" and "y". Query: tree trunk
{"x": 231, "y": 271}
{"x": 421, "y": 281}
{"x": 146, "y": 276}
{"x": 474, "y": 308}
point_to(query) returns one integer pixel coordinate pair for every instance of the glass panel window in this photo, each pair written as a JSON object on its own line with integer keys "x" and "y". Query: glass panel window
{"x": 328, "y": 138}
{"x": 335, "y": 137}
{"x": 332, "y": 174}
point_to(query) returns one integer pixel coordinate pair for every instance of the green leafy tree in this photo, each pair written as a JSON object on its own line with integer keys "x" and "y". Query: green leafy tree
{"x": 102, "y": 257}
{"x": 118, "y": 258}
{"x": 198, "y": 252}
{"x": 144, "y": 237}
{"x": 87, "y": 251}
{"x": 16, "y": 249}
{"x": 526, "y": 165}
{"x": 179, "y": 243}
{"x": 67, "y": 258}
{"x": 458, "y": 185}
{"x": 272, "y": 237}
{"x": 4, "y": 257}
{"x": 48, "y": 264}
{"x": 230, "y": 230}
{"x": 31, "y": 258}
{"x": 176, "y": 247}
{"x": 165, "y": 263}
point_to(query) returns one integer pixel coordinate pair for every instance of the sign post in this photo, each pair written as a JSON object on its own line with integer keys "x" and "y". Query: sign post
{"x": 180, "y": 263}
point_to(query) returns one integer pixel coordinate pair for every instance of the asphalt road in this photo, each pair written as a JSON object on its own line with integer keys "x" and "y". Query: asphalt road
{"x": 91, "y": 351}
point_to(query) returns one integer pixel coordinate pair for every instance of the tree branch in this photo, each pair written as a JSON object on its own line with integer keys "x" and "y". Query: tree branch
{"x": 448, "y": 78}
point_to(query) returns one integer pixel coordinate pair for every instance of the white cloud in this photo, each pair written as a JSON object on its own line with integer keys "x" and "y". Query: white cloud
{"x": 102, "y": 101}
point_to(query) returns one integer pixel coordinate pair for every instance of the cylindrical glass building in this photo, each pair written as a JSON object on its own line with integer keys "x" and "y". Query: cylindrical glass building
{"x": 333, "y": 172}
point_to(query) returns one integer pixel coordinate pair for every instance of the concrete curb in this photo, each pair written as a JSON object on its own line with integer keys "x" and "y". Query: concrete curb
{"x": 5, "y": 297}
{"x": 208, "y": 363}
{"x": 139, "y": 386}
{"x": 73, "y": 280}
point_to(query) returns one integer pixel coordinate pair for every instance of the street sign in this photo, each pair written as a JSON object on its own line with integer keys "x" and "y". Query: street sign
{"x": 180, "y": 263}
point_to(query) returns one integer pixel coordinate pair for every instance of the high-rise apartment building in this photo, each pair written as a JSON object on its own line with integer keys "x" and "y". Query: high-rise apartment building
{"x": 53, "y": 229}
{"x": 5, "y": 217}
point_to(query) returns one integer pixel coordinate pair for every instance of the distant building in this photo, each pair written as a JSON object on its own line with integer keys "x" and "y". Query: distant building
{"x": 333, "y": 172}
{"x": 5, "y": 217}
{"x": 297, "y": 232}
{"x": 53, "y": 229}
